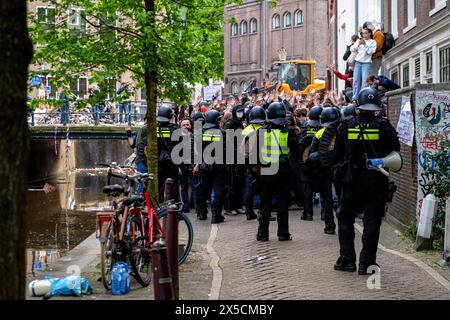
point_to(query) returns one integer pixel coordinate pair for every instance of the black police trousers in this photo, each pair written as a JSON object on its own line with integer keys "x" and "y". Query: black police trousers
{"x": 212, "y": 178}
{"x": 366, "y": 191}
{"x": 325, "y": 188}
{"x": 307, "y": 189}
{"x": 251, "y": 185}
{"x": 274, "y": 185}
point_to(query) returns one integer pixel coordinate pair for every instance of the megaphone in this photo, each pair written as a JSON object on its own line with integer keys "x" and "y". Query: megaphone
{"x": 392, "y": 161}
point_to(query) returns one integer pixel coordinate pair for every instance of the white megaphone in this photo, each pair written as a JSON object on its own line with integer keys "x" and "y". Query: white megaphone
{"x": 392, "y": 161}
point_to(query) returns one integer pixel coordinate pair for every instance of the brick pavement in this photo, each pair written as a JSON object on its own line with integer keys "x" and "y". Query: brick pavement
{"x": 297, "y": 269}
{"x": 303, "y": 268}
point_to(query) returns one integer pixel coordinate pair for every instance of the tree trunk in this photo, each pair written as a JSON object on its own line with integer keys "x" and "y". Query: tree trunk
{"x": 151, "y": 86}
{"x": 15, "y": 55}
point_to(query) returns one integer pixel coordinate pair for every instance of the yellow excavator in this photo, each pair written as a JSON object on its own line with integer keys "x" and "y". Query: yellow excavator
{"x": 295, "y": 75}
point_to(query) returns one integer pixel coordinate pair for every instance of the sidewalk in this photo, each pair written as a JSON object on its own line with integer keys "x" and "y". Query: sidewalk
{"x": 219, "y": 266}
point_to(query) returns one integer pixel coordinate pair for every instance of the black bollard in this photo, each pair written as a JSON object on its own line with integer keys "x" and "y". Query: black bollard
{"x": 162, "y": 281}
{"x": 172, "y": 246}
{"x": 168, "y": 189}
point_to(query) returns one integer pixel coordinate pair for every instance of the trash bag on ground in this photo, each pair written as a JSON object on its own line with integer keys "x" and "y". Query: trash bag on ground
{"x": 68, "y": 286}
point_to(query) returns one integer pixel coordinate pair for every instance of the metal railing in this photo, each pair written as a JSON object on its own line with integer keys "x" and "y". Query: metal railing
{"x": 85, "y": 118}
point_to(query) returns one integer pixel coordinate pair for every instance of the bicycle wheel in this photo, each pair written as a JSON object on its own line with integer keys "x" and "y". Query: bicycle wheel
{"x": 185, "y": 235}
{"x": 140, "y": 259}
{"x": 107, "y": 256}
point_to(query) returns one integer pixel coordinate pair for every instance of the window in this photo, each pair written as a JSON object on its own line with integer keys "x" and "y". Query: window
{"x": 405, "y": 73}
{"x": 394, "y": 17}
{"x": 298, "y": 17}
{"x": 444, "y": 64}
{"x": 411, "y": 15}
{"x": 77, "y": 20}
{"x": 394, "y": 75}
{"x": 417, "y": 68}
{"x": 50, "y": 86}
{"x": 244, "y": 29}
{"x": 79, "y": 86}
{"x": 46, "y": 15}
{"x": 234, "y": 29}
{"x": 276, "y": 21}
{"x": 436, "y": 6}
{"x": 429, "y": 63}
{"x": 243, "y": 86}
{"x": 234, "y": 88}
{"x": 253, "y": 26}
{"x": 287, "y": 19}
{"x": 143, "y": 97}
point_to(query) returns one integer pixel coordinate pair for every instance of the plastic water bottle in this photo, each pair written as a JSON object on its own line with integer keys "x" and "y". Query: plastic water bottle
{"x": 120, "y": 279}
{"x": 125, "y": 279}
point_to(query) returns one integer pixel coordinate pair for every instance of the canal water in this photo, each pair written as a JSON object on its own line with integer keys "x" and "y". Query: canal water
{"x": 64, "y": 191}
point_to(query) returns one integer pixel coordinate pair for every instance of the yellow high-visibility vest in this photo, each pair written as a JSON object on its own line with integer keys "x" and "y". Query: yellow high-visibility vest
{"x": 275, "y": 145}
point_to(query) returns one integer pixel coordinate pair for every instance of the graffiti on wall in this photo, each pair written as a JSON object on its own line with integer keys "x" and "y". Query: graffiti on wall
{"x": 432, "y": 115}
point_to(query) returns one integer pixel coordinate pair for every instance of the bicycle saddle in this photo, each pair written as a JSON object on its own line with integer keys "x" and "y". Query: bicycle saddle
{"x": 133, "y": 200}
{"x": 114, "y": 190}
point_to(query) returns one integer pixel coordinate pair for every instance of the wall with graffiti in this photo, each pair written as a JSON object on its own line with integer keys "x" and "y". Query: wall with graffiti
{"x": 432, "y": 115}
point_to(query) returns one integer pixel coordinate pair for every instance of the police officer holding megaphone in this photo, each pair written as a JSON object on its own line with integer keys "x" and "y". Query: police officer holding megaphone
{"x": 392, "y": 161}
{"x": 366, "y": 146}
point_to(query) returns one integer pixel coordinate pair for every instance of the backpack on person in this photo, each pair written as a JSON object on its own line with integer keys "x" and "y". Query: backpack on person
{"x": 388, "y": 43}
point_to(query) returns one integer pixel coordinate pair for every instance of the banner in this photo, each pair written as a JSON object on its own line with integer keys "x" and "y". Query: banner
{"x": 405, "y": 126}
{"x": 210, "y": 91}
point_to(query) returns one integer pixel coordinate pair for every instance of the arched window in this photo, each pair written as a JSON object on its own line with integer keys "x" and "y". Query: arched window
{"x": 253, "y": 26}
{"x": 243, "y": 85}
{"x": 276, "y": 21}
{"x": 234, "y": 87}
{"x": 234, "y": 29}
{"x": 298, "y": 17}
{"x": 244, "y": 28}
{"x": 287, "y": 19}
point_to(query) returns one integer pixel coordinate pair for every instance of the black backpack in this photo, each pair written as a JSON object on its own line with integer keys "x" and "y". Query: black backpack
{"x": 389, "y": 42}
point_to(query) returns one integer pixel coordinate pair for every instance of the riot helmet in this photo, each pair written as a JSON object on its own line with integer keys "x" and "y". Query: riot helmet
{"x": 276, "y": 113}
{"x": 329, "y": 115}
{"x": 212, "y": 119}
{"x": 164, "y": 114}
{"x": 349, "y": 111}
{"x": 314, "y": 116}
{"x": 257, "y": 115}
{"x": 369, "y": 100}
{"x": 198, "y": 116}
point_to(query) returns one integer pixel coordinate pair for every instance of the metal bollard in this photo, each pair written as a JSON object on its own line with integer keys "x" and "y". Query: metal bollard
{"x": 162, "y": 282}
{"x": 172, "y": 246}
{"x": 445, "y": 262}
{"x": 168, "y": 189}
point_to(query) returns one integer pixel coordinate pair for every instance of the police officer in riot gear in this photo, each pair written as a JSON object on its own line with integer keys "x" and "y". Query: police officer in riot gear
{"x": 278, "y": 143}
{"x": 236, "y": 172}
{"x": 321, "y": 164}
{"x": 366, "y": 136}
{"x": 166, "y": 168}
{"x": 256, "y": 117}
{"x": 306, "y": 137}
{"x": 212, "y": 171}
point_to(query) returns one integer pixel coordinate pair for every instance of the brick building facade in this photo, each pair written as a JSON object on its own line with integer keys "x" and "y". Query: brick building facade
{"x": 254, "y": 33}
{"x": 422, "y": 32}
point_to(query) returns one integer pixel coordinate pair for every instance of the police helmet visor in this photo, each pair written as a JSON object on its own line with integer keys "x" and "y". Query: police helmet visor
{"x": 278, "y": 121}
{"x": 162, "y": 119}
{"x": 370, "y": 107}
{"x": 313, "y": 123}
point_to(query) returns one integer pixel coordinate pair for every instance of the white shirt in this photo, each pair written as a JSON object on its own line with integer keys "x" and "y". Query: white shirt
{"x": 364, "y": 52}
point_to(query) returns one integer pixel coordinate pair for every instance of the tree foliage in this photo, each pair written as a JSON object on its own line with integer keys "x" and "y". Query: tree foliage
{"x": 111, "y": 37}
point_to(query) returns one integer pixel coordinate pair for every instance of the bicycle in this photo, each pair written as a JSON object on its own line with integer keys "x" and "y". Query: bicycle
{"x": 131, "y": 240}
